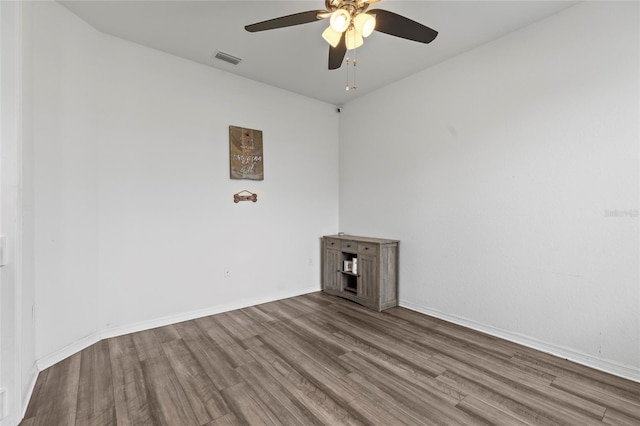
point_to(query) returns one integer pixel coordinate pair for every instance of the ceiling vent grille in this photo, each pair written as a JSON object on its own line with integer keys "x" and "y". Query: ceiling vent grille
{"x": 227, "y": 58}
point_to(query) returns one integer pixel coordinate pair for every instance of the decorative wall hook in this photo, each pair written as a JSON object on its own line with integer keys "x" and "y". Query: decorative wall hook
{"x": 245, "y": 196}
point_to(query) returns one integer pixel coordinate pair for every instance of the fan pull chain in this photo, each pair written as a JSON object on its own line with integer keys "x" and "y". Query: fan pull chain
{"x": 355, "y": 63}
{"x": 347, "y": 67}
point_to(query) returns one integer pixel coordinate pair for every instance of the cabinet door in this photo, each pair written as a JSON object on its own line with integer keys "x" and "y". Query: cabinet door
{"x": 331, "y": 272}
{"x": 368, "y": 284}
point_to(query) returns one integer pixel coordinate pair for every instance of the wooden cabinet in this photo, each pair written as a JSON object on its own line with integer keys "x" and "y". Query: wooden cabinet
{"x": 373, "y": 281}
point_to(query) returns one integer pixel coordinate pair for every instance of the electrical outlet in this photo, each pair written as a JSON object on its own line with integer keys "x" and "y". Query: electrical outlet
{"x": 227, "y": 272}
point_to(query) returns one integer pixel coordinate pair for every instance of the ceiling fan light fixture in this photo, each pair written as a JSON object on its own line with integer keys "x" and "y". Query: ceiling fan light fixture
{"x": 340, "y": 20}
{"x": 365, "y": 24}
{"x": 353, "y": 38}
{"x": 332, "y": 36}
{"x": 349, "y": 23}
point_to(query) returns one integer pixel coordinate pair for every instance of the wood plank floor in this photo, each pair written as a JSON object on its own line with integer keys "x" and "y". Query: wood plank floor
{"x": 320, "y": 360}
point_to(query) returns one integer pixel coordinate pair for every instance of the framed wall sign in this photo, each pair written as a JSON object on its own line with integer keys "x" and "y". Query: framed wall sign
{"x": 245, "y": 153}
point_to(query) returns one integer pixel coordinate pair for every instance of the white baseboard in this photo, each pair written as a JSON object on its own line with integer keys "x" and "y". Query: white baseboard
{"x": 26, "y": 396}
{"x": 54, "y": 358}
{"x": 607, "y": 366}
{"x": 85, "y": 342}
{"x": 187, "y": 316}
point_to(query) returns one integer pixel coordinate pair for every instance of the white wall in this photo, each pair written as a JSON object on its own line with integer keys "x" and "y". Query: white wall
{"x": 168, "y": 224}
{"x": 26, "y": 220}
{"x": 12, "y": 375}
{"x": 64, "y": 56}
{"x": 134, "y": 213}
{"x": 501, "y": 172}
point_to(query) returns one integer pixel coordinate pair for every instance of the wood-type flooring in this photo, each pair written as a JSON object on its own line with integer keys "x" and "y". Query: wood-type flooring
{"x": 320, "y": 360}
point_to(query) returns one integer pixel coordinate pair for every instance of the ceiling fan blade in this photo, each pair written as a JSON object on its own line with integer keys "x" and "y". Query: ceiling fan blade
{"x": 336, "y": 54}
{"x": 399, "y": 26}
{"x": 285, "y": 21}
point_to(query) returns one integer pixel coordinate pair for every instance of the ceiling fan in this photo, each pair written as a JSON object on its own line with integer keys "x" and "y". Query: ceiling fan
{"x": 349, "y": 23}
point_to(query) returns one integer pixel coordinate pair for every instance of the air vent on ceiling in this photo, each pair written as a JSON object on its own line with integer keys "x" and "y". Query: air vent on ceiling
{"x": 227, "y": 58}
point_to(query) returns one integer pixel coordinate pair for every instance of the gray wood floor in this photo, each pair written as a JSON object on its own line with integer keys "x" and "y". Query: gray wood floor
{"x": 317, "y": 359}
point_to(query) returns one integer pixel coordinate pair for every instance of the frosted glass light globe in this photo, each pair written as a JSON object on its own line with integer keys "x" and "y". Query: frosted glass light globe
{"x": 340, "y": 20}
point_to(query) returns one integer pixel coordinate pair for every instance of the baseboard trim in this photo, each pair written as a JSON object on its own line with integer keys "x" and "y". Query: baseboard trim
{"x": 187, "y": 316}
{"x": 607, "y": 366}
{"x": 26, "y": 396}
{"x": 69, "y": 350}
{"x": 77, "y": 346}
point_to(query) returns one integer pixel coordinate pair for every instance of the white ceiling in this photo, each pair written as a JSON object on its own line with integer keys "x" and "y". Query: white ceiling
{"x": 295, "y": 58}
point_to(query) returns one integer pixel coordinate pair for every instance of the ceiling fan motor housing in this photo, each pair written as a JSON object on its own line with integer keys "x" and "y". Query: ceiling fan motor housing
{"x": 354, "y": 7}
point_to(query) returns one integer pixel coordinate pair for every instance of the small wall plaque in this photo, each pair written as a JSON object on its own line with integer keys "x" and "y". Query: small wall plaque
{"x": 245, "y": 153}
{"x": 245, "y": 196}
